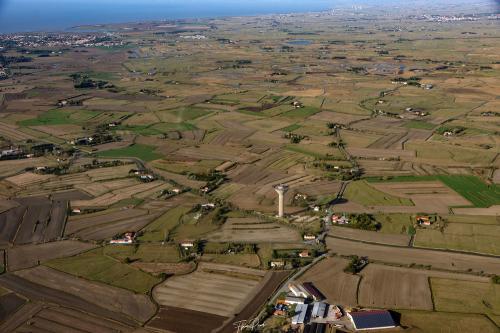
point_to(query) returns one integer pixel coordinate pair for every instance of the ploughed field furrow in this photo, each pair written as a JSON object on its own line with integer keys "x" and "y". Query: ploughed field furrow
{"x": 9, "y": 223}
{"x": 56, "y": 222}
{"x": 80, "y": 321}
{"x": 33, "y": 225}
{"x": 37, "y": 292}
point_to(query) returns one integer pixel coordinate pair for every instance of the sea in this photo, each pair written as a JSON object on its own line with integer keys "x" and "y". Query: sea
{"x": 63, "y": 15}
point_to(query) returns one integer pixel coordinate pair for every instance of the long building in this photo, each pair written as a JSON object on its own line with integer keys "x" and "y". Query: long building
{"x": 372, "y": 320}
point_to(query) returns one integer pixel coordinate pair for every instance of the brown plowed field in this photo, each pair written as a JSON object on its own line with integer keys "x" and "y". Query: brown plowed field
{"x": 329, "y": 277}
{"x": 394, "y": 289}
{"x": 36, "y": 220}
{"x": 25, "y": 256}
{"x": 269, "y": 285}
{"x": 20, "y": 317}
{"x": 370, "y": 236}
{"x": 214, "y": 291}
{"x": 60, "y": 319}
{"x": 31, "y": 230}
{"x": 37, "y": 292}
{"x": 406, "y": 256}
{"x": 9, "y": 303}
{"x": 110, "y": 299}
{"x": 80, "y": 222}
{"x": 402, "y": 288}
{"x": 9, "y": 223}
{"x": 111, "y": 229}
{"x": 179, "y": 320}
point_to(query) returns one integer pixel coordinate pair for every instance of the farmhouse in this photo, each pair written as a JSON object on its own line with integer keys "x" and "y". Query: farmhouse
{"x": 187, "y": 244}
{"x": 128, "y": 238}
{"x": 277, "y": 264}
{"x": 304, "y": 254}
{"x": 309, "y": 237}
{"x": 424, "y": 220}
{"x": 371, "y": 320}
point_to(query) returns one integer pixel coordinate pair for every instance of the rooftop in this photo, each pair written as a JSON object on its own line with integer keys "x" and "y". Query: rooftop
{"x": 364, "y": 320}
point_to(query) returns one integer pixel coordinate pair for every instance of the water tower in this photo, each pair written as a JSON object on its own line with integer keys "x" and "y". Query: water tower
{"x": 281, "y": 189}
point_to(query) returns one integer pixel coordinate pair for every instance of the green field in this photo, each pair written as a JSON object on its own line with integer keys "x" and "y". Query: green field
{"x": 474, "y": 297}
{"x": 189, "y": 113}
{"x": 418, "y": 124}
{"x": 143, "y": 152}
{"x": 362, "y": 193}
{"x": 291, "y": 128}
{"x": 241, "y": 259}
{"x": 471, "y": 188}
{"x": 144, "y": 252}
{"x": 159, "y": 230}
{"x": 157, "y": 128}
{"x": 301, "y": 112}
{"x": 96, "y": 266}
{"x": 445, "y": 322}
{"x": 394, "y": 223}
{"x": 59, "y": 117}
{"x": 462, "y": 236}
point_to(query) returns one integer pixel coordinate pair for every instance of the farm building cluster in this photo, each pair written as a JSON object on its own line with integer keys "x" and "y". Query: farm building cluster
{"x": 310, "y": 312}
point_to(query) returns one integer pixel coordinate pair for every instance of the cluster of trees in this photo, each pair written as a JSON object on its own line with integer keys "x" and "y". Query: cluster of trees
{"x": 364, "y": 221}
{"x": 7, "y": 60}
{"x": 294, "y": 138}
{"x": 355, "y": 265}
{"x": 83, "y": 81}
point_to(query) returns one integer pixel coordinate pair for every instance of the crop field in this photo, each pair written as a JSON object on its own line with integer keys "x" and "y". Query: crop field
{"x": 143, "y": 152}
{"x": 96, "y": 266}
{"x": 361, "y": 192}
{"x": 212, "y": 288}
{"x": 175, "y": 319}
{"x": 471, "y": 188}
{"x": 253, "y": 230}
{"x": 329, "y": 277}
{"x": 39, "y": 222}
{"x": 474, "y": 297}
{"x": 406, "y": 256}
{"x": 438, "y": 322}
{"x": 26, "y": 256}
{"x": 370, "y": 236}
{"x": 53, "y": 319}
{"x": 136, "y": 306}
{"x": 358, "y": 110}
{"x": 460, "y": 236}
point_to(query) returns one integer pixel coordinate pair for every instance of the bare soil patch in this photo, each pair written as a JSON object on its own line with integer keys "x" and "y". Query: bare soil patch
{"x": 20, "y": 257}
{"x": 329, "y": 277}
{"x": 405, "y": 256}
{"x": 179, "y": 320}
{"x": 370, "y": 236}
{"x": 113, "y": 299}
{"x": 253, "y": 230}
